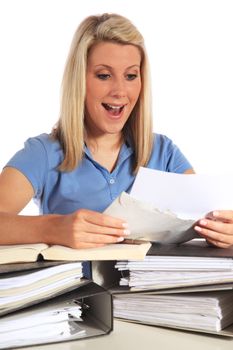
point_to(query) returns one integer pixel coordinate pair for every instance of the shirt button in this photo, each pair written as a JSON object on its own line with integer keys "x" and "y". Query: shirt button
{"x": 111, "y": 181}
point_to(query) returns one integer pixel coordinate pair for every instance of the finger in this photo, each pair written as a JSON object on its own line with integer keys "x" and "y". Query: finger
{"x": 217, "y": 226}
{"x": 215, "y": 236}
{"x": 217, "y": 243}
{"x": 100, "y": 219}
{"x": 92, "y": 228}
{"x": 97, "y": 239}
{"x": 222, "y": 215}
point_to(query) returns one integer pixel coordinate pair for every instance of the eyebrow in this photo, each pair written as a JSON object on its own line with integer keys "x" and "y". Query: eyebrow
{"x": 109, "y": 67}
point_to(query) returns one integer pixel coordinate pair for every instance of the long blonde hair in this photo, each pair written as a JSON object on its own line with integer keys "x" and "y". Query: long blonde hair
{"x": 70, "y": 129}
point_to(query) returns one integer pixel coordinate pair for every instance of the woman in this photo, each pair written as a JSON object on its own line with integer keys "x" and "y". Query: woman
{"x": 104, "y": 134}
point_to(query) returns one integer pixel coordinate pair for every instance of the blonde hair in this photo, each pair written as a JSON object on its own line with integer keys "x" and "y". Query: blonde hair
{"x": 70, "y": 129}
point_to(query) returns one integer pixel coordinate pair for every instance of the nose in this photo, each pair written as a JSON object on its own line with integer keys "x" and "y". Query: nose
{"x": 118, "y": 88}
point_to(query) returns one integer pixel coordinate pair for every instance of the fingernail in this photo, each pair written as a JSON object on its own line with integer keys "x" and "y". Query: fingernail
{"x": 120, "y": 239}
{"x": 126, "y": 232}
{"x": 203, "y": 222}
{"x": 197, "y": 228}
{"x": 215, "y": 213}
{"x": 125, "y": 224}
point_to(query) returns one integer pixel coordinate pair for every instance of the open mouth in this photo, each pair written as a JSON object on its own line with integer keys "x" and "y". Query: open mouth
{"x": 114, "y": 110}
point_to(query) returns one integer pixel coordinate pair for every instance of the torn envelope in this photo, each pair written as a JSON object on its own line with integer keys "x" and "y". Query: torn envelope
{"x": 149, "y": 223}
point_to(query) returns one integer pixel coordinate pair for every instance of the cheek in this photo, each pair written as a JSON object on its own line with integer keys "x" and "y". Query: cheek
{"x": 92, "y": 89}
{"x": 135, "y": 92}
{"x": 93, "y": 104}
{"x": 96, "y": 89}
{"x": 92, "y": 97}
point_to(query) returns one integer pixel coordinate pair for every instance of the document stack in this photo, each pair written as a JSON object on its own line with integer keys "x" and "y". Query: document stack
{"x": 47, "y": 304}
{"x": 189, "y": 286}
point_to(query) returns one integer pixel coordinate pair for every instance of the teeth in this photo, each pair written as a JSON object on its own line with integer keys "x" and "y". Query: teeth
{"x": 108, "y": 106}
{"x": 114, "y": 107}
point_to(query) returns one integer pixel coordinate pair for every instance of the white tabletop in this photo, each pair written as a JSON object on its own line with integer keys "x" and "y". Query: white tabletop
{"x": 127, "y": 336}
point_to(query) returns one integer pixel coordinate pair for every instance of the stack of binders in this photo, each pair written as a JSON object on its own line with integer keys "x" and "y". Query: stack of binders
{"x": 188, "y": 286}
{"x": 49, "y": 302}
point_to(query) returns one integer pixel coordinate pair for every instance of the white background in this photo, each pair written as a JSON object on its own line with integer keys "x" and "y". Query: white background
{"x": 190, "y": 46}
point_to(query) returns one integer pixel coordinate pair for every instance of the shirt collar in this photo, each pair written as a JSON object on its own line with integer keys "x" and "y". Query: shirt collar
{"x": 125, "y": 152}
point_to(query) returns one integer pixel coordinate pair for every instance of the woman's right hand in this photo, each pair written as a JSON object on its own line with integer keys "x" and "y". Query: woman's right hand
{"x": 86, "y": 229}
{"x": 81, "y": 229}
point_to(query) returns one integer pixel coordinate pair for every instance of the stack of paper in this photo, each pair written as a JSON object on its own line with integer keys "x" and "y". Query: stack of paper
{"x": 199, "y": 311}
{"x": 160, "y": 272}
{"x": 49, "y": 322}
{"x": 179, "y": 290}
{"x": 27, "y": 288}
{"x": 46, "y": 304}
{"x": 187, "y": 286}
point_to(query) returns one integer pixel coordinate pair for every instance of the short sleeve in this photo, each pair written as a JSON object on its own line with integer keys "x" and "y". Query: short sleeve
{"x": 176, "y": 162}
{"x": 32, "y": 161}
{"x": 166, "y": 156}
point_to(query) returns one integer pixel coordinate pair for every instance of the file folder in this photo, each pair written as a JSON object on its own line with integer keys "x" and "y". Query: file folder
{"x": 97, "y": 315}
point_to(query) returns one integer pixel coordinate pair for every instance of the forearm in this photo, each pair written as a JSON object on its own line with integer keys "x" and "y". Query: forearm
{"x": 81, "y": 229}
{"x": 19, "y": 229}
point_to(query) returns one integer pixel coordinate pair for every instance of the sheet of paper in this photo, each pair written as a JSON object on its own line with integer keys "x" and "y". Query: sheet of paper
{"x": 148, "y": 223}
{"x": 190, "y": 196}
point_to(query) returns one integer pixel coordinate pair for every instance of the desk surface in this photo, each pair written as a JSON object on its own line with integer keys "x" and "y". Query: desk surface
{"x": 127, "y": 336}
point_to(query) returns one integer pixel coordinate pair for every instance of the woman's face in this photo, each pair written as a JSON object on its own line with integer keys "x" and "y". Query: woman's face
{"x": 113, "y": 86}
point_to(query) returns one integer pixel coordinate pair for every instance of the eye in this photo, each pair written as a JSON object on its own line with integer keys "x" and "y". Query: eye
{"x": 131, "y": 76}
{"x": 103, "y": 76}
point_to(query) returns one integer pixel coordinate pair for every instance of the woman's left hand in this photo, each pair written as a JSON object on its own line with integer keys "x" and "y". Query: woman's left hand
{"x": 217, "y": 228}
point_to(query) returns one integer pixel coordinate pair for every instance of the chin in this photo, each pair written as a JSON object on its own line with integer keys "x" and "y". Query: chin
{"x": 114, "y": 130}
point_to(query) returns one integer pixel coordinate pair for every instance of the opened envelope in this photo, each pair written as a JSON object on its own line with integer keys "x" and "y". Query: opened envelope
{"x": 149, "y": 223}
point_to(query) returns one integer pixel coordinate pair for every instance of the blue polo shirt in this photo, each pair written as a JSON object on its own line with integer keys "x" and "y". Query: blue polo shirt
{"x": 89, "y": 185}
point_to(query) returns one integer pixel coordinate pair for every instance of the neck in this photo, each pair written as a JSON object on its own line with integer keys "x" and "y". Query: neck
{"x": 105, "y": 149}
{"x": 111, "y": 142}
